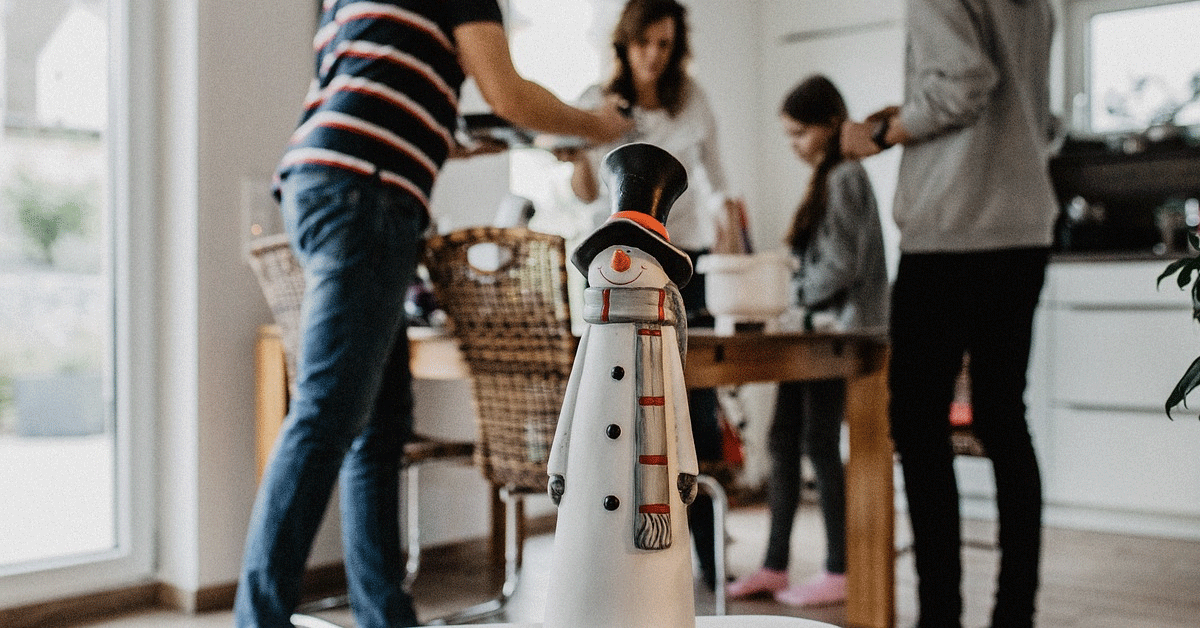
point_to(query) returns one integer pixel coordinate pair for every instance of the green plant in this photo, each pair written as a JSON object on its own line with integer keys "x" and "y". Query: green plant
{"x": 47, "y": 211}
{"x": 1187, "y": 269}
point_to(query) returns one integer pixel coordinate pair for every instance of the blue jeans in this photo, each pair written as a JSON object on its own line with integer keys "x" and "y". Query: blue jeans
{"x": 358, "y": 242}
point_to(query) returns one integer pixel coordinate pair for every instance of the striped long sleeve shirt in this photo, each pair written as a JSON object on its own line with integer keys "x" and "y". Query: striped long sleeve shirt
{"x": 384, "y": 96}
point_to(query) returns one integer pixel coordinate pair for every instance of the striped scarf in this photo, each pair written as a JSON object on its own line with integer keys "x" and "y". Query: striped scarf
{"x": 648, "y": 309}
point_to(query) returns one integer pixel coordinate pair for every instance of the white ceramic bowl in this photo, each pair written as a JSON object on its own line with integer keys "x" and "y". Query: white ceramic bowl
{"x": 753, "y": 287}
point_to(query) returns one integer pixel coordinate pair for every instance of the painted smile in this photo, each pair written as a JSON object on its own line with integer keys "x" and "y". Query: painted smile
{"x": 622, "y": 283}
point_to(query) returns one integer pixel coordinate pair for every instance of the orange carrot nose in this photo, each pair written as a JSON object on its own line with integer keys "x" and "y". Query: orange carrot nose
{"x": 620, "y": 261}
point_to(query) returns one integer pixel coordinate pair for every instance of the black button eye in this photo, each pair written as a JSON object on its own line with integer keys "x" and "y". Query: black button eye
{"x": 613, "y": 431}
{"x": 611, "y": 502}
{"x": 618, "y": 372}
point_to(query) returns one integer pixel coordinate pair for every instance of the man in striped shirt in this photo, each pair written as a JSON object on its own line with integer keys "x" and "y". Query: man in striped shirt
{"x": 354, "y": 187}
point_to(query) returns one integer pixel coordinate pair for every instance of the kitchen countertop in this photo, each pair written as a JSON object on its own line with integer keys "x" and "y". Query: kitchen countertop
{"x": 1112, "y": 256}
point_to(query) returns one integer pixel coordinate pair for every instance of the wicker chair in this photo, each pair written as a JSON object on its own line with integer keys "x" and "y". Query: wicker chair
{"x": 505, "y": 292}
{"x": 282, "y": 281}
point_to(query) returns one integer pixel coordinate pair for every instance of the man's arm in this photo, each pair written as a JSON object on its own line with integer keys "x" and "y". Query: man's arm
{"x": 484, "y": 55}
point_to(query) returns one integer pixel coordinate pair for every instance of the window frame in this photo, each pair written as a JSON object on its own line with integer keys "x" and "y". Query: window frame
{"x": 131, "y": 150}
{"x": 1077, "y": 46}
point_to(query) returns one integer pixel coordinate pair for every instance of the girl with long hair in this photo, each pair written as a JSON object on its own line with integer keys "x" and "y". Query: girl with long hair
{"x": 842, "y": 284}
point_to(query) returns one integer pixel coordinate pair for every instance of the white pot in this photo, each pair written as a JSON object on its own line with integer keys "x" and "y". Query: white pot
{"x": 747, "y": 287}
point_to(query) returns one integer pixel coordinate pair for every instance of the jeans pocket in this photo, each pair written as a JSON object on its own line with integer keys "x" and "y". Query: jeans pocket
{"x": 330, "y": 215}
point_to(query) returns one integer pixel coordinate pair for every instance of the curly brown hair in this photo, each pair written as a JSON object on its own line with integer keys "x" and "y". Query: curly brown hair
{"x": 635, "y": 18}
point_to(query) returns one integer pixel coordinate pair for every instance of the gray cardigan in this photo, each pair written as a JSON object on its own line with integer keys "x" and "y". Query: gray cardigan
{"x": 977, "y": 102}
{"x": 842, "y": 269}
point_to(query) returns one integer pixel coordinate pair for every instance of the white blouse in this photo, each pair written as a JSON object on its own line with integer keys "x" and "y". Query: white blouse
{"x": 691, "y": 137}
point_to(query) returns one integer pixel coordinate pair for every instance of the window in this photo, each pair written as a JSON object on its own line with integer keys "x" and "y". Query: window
{"x": 71, "y": 519}
{"x": 563, "y": 45}
{"x": 1133, "y": 64}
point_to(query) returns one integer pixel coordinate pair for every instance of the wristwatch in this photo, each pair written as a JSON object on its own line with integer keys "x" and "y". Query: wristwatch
{"x": 879, "y": 136}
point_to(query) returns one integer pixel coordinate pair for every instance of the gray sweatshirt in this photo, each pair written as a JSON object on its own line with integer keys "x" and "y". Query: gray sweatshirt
{"x": 842, "y": 269}
{"x": 977, "y": 100}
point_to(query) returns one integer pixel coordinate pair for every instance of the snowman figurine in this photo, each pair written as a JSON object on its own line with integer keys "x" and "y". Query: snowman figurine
{"x": 623, "y": 465}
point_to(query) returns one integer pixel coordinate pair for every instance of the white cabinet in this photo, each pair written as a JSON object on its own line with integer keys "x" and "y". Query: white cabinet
{"x": 1109, "y": 347}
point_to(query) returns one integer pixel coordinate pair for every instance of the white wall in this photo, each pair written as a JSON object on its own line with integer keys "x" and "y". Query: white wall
{"x": 230, "y": 99}
{"x": 860, "y": 47}
{"x": 727, "y": 63}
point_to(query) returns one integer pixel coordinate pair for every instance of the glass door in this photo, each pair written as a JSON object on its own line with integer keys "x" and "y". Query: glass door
{"x": 66, "y": 459}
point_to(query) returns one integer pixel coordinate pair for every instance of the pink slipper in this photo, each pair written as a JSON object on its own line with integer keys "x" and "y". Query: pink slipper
{"x": 823, "y": 590}
{"x": 763, "y": 581}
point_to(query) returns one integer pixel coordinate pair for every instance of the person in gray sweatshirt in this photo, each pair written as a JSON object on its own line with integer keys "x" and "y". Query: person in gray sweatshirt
{"x": 975, "y": 209}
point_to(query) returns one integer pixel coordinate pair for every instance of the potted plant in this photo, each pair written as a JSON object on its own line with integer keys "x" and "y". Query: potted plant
{"x": 47, "y": 211}
{"x": 1186, "y": 270}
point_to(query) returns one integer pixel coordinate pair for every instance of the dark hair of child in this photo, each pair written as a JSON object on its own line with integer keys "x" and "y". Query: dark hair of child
{"x": 815, "y": 101}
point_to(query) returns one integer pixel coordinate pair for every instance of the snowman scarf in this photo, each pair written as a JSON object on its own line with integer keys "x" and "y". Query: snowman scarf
{"x": 648, "y": 309}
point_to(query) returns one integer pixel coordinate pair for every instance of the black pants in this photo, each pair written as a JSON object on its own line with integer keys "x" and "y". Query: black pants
{"x": 942, "y": 305}
{"x": 808, "y": 420}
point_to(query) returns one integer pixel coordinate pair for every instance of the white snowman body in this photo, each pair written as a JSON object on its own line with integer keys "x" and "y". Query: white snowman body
{"x": 600, "y": 577}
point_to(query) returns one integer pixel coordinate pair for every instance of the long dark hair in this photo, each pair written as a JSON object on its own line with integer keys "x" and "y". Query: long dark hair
{"x": 636, "y": 17}
{"x": 815, "y": 101}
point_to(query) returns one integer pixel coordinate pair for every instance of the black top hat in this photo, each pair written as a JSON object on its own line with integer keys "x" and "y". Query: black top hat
{"x": 644, "y": 181}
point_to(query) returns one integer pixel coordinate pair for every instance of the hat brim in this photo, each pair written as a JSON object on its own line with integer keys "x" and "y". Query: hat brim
{"x": 621, "y": 231}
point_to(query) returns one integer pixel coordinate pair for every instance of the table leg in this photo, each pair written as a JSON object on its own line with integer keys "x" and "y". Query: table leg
{"x": 270, "y": 393}
{"x": 870, "y": 512}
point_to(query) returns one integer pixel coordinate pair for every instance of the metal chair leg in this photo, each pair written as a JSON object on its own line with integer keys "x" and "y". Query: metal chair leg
{"x": 720, "y": 507}
{"x": 410, "y": 517}
{"x": 411, "y": 522}
{"x": 512, "y": 549}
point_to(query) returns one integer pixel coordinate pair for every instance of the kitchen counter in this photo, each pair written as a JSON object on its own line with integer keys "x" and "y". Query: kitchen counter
{"x": 1081, "y": 257}
{"x": 1109, "y": 345}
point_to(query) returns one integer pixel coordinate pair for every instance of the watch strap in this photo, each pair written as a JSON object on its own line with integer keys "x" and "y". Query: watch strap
{"x": 879, "y": 136}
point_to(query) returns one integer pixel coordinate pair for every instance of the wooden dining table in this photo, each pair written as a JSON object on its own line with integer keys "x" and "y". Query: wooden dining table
{"x": 713, "y": 360}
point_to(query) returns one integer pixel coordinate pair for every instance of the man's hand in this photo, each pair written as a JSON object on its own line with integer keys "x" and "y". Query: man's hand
{"x": 481, "y": 147}
{"x": 484, "y": 55}
{"x": 616, "y": 119}
{"x": 886, "y": 112}
{"x": 856, "y": 140}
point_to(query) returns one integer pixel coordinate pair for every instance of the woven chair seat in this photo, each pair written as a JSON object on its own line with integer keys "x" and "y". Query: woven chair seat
{"x": 423, "y": 449}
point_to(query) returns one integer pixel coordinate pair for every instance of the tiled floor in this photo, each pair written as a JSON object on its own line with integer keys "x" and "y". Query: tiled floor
{"x": 1090, "y": 580}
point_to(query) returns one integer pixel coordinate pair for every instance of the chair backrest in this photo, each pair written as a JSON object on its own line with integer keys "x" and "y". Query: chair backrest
{"x": 505, "y": 293}
{"x": 282, "y": 281}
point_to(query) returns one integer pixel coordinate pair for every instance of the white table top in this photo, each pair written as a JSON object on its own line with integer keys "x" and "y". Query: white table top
{"x": 723, "y": 621}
